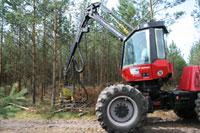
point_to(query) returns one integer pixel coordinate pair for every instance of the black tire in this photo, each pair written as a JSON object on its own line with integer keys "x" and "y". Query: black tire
{"x": 197, "y": 108}
{"x": 185, "y": 113}
{"x": 121, "y": 108}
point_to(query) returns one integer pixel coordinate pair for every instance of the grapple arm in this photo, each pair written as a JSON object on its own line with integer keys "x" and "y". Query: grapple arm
{"x": 91, "y": 12}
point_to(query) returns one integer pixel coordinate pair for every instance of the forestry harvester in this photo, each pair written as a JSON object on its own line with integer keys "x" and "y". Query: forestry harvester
{"x": 124, "y": 107}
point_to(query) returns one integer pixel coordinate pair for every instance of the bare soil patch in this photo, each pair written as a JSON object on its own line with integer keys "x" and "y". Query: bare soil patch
{"x": 162, "y": 123}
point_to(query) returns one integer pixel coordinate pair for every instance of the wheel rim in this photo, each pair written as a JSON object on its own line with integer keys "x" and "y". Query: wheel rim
{"x": 122, "y": 111}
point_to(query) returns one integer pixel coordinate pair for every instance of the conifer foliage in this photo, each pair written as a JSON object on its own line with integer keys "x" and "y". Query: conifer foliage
{"x": 14, "y": 97}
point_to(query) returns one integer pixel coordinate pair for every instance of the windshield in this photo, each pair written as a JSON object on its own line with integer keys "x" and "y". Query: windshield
{"x": 136, "y": 50}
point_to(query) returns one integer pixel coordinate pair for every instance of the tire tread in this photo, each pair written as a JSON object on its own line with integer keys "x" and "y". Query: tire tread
{"x": 113, "y": 90}
{"x": 197, "y": 108}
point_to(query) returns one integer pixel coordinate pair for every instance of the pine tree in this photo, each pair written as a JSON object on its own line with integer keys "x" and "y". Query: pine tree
{"x": 13, "y": 97}
{"x": 196, "y": 13}
{"x": 194, "y": 58}
{"x": 175, "y": 56}
{"x": 137, "y": 12}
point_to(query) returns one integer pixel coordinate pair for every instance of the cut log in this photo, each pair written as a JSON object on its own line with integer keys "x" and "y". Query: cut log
{"x": 19, "y": 106}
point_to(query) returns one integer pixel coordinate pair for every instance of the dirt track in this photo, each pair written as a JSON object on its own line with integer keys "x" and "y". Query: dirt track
{"x": 158, "y": 122}
{"x": 154, "y": 125}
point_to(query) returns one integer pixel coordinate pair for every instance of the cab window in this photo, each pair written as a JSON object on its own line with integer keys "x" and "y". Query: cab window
{"x": 160, "y": 45}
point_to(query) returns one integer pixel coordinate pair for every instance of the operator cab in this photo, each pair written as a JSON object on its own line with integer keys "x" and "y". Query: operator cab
{"x": 144, "y": 56}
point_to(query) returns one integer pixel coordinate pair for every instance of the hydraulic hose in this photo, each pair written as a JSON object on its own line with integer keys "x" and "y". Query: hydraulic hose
{"x": 86, "y": 93}
{"x": 82, "y": 62}
{"x": 76, "y": 70}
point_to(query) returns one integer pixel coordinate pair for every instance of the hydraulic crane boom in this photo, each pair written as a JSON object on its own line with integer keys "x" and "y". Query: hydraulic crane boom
{"x": 91, "y": 12}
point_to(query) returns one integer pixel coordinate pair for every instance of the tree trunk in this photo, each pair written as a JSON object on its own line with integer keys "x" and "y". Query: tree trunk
{"x": 102, "y": 57}
{"x": 98, "y": 58}
{"x": 43, "y": 61}
{"x": 15, "y": 68}
{"x": 60, "y": 67}
{"x": 1, "y": 42}
{"x": 53, "y": 97}
{"x": 19, "y": 61}
{"x": 151, "y": 11}
{"x": 34, "y": 57}
{"x": 87, "y": 62}
{"x": 94, "y": 68}
{"x": 60, "y": 32}
{"x": 108, "y": 64}
{"x": 25, "y": 62}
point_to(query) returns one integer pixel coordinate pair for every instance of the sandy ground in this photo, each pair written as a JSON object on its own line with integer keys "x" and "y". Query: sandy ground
{"x": 153, "y": 125}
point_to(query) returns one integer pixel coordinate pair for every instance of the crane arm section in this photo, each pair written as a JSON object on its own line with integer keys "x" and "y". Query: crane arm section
{"x": 91, "y": 12}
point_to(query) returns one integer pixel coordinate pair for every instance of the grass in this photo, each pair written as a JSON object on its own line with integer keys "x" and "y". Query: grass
{"x": 49, "y": 115}
{"x": 43, "y": 110}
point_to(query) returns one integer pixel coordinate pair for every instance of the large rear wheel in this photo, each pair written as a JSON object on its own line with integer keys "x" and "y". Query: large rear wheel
{"x": 121, "y": 108}
{"x": 197, "y": 108}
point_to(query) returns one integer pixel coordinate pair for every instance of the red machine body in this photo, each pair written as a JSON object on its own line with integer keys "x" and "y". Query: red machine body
{"x": 121, "y": 107}
{"x": 190, "y": 79}
{"x": 156, "y": 70}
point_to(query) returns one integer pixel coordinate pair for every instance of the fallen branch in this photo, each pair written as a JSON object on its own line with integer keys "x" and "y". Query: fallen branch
{"x": 22, "y": 107}
{"x": 75, "y": 109}
{"x": 82, "y": 114}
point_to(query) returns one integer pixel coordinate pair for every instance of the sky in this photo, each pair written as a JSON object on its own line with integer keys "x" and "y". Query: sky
{"x": 183, "y": 32}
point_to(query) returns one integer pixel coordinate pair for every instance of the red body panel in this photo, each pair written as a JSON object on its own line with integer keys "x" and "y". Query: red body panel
{"x": 190, "y": 79}
{"x": 156, "y": 70}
